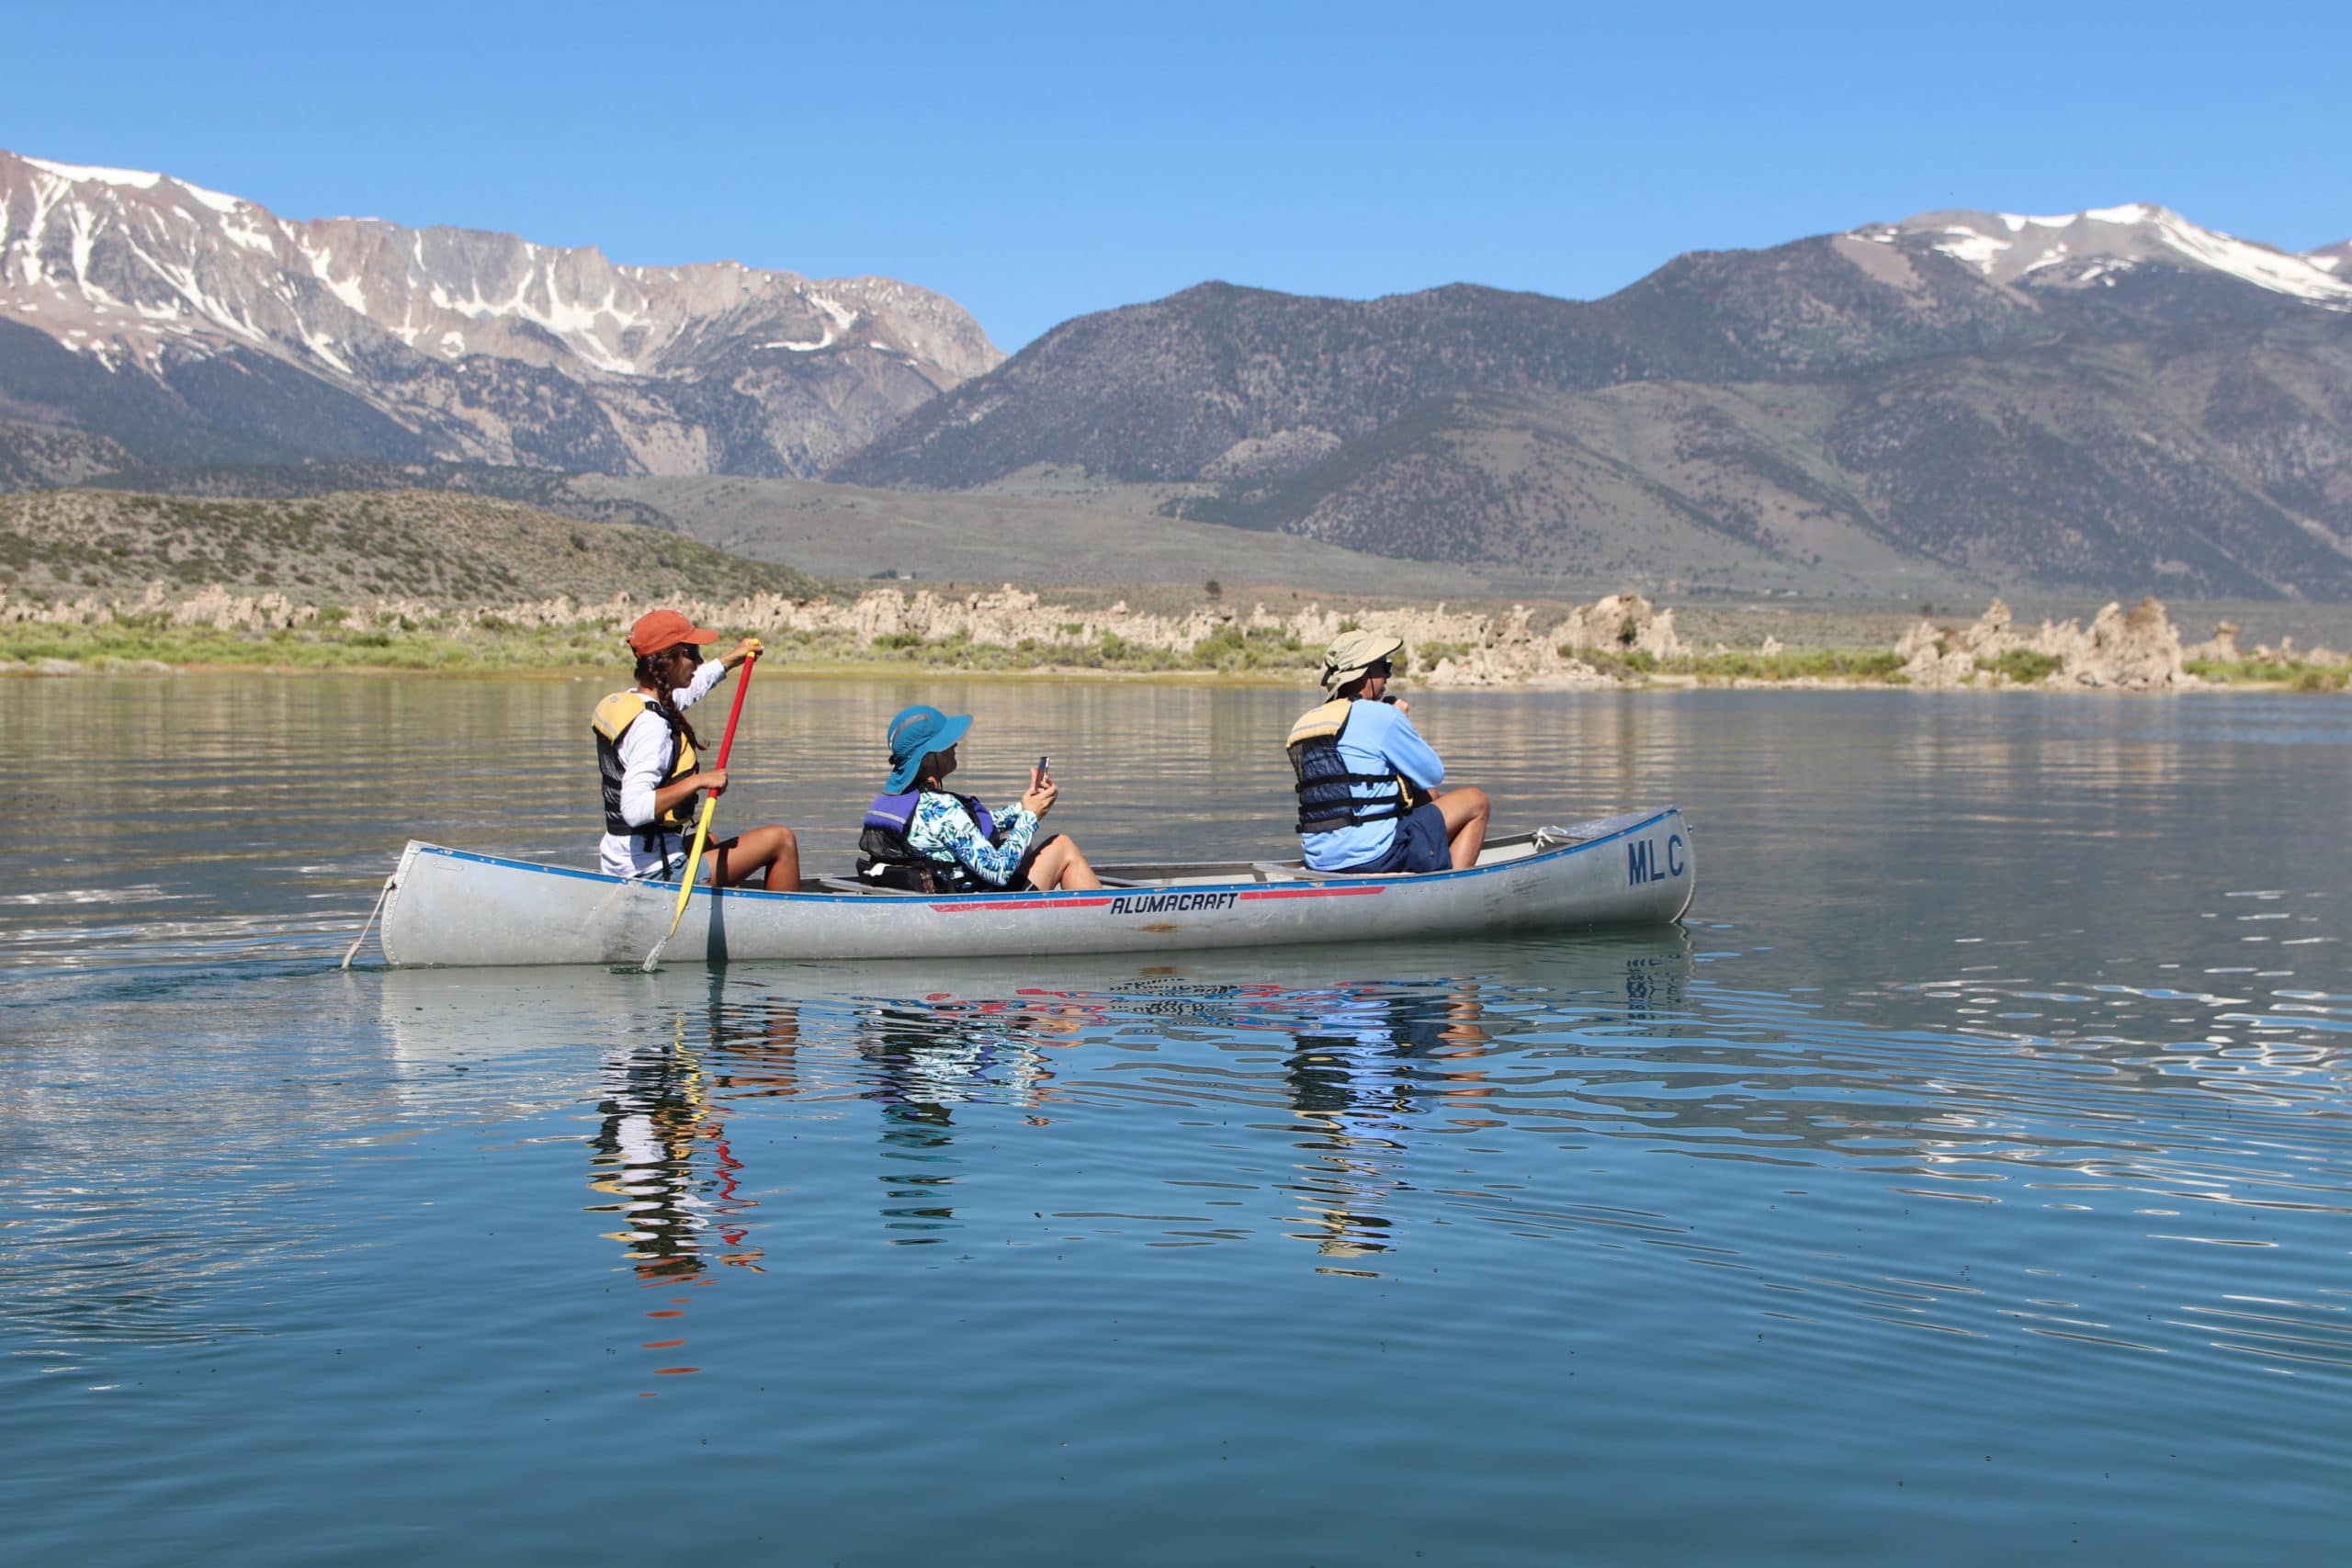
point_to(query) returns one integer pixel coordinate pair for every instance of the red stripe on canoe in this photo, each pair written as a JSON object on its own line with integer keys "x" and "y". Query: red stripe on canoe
{"x": 1314, "y": 891}
{"x": 1034, "y": 902}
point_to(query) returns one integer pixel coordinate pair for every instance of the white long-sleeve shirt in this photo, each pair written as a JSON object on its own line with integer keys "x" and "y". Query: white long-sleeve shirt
{"x": 644, "y": 747}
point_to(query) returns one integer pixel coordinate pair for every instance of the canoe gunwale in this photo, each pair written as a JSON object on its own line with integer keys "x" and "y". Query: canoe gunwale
{"x": 997, "y": 895}
{"x": 465, "y": 908}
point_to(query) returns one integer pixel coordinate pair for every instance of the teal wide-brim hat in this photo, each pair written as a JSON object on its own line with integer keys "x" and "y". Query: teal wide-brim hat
{"x": 915, "y": 734}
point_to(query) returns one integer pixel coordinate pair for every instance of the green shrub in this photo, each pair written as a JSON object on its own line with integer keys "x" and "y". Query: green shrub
{"x": 1429, "y": 655}
{"x": 2294, "y": 675}
{"x": 1821, "y": 664}
{"x": 2025, "y": 666}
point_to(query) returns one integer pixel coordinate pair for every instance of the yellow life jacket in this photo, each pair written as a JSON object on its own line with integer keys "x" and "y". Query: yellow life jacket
{"x": 1326, "y": 787}
{"x": 611, "y": 719}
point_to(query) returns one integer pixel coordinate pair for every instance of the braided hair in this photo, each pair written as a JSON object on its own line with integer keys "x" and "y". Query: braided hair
{"x": 653, "y": 672}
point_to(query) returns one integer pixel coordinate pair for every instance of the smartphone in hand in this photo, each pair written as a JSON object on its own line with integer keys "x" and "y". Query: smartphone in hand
{"x": 1041, "y": 767}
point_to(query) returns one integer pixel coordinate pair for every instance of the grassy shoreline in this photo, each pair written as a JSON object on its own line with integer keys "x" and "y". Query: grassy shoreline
{"x": 152, "y": 645}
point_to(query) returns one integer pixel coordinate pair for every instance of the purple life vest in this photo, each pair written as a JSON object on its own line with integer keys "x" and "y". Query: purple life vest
{"x": 896, "y": 813}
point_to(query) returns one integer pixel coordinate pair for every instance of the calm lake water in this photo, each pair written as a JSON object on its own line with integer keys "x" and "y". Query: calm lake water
{"x": 1968, "y": 1181}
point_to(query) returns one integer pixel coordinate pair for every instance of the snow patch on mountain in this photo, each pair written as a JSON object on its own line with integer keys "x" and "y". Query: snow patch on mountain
{"x": 2009, "y": 247}
{"x": 138, "y": 179}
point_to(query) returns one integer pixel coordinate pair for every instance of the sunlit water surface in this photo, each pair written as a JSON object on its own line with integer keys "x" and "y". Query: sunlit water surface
{"x": 1968, "y": 1179}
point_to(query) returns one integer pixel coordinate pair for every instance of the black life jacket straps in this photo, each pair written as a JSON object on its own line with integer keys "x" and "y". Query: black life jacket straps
{"x": 611, "y": 721}
{"x": 1328, "y": 788}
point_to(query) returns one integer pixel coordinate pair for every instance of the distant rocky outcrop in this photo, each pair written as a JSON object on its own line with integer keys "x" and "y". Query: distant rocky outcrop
{"x": 2221, "y": 648}
{"x": 2127, "y": 651}
{"x": 1619, "y": 624}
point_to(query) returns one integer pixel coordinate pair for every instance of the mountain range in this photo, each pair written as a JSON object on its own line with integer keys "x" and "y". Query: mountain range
{"x": 2109, "y": 401}
{"x": 176, "y": 324}
{"x": 2112, "y": 399}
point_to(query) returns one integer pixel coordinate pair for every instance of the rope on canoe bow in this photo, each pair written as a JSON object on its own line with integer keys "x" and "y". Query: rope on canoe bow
{"x": 353, "y": 952}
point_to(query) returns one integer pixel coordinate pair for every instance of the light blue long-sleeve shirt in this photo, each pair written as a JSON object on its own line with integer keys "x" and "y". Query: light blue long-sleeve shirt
{"x": 1378, "y": 739}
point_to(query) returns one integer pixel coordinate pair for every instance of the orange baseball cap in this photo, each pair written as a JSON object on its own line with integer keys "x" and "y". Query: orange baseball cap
{"x": 658, "y": 629}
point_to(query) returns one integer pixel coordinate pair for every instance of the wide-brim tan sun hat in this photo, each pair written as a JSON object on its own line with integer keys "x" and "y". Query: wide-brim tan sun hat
{"x": 1355, "y": 653}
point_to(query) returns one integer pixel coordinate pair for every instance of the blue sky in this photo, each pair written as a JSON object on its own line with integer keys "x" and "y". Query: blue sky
{"x": 1038, "y": 162}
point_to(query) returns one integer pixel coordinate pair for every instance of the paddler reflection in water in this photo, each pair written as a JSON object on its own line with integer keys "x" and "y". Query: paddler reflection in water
{"x": 926, "y": 1058}
{"x": 920, "y": 837}
{"x": 655, "y": 1109}
{"x": 662, "y": 1107}
{"x": 1367, "y": 801}
{"x": 647, "y": 754}
{"x": 1361, "y": 1075}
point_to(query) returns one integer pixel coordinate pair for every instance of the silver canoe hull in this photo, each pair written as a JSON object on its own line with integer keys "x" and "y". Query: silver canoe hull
{"x": 454, "y": 907}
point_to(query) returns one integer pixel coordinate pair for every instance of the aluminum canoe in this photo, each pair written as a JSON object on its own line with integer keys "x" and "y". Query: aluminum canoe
{"x": 455, "y": 908}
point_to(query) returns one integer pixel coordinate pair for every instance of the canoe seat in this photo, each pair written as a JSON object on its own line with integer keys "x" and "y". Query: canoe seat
{"x": 852, "y": 885}
{"x": 1277, "y": 871}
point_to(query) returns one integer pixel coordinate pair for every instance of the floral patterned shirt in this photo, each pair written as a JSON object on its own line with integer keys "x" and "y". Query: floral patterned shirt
{"x": 942, "y": 828}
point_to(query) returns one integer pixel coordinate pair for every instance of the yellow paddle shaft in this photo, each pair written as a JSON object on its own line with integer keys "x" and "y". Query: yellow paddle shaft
{"x": 694, "y": 860}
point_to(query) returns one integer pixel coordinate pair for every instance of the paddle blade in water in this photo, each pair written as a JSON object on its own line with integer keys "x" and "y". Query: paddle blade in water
{"x": 686, "y": 886}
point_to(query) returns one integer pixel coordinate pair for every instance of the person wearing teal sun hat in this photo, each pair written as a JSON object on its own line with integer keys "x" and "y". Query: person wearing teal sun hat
{"x": 919, "y": 837}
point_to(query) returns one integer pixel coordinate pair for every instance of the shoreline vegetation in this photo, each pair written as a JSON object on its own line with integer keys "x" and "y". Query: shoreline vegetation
{"x": 1621, "y": 640}
{"x": 102, "y": 582}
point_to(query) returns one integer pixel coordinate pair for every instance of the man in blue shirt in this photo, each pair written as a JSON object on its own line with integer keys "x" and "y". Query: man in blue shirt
{"x": 1366, "y": 779}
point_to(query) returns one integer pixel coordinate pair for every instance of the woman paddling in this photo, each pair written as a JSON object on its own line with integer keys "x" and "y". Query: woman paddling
{"x": 645, "y": 751}
{"x": 920, "y": 837}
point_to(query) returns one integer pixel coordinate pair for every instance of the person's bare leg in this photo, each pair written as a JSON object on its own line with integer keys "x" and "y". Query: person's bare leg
{"x": 1062, "y": 864}
{"x": 772, "y": 849}
{"x": 1465, "y": 811}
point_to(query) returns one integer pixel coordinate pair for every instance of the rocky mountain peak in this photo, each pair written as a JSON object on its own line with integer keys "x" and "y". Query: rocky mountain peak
{"x": 130, "y": 260}
{"x": 134, "y": 270}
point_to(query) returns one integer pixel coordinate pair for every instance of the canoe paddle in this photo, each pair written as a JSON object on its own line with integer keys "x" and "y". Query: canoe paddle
{"x": 702, "y": 828}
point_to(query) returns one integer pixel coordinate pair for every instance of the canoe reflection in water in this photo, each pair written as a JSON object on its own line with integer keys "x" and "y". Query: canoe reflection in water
{"x": 1359, "y": 1061}
{"x": 706, "y": 1074}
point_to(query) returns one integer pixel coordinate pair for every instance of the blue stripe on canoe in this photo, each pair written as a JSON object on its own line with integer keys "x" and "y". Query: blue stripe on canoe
{"x": 1428, "y": 877}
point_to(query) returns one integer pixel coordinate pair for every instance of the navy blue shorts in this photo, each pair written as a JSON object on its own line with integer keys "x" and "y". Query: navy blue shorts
{"x": 1419, "y": 845}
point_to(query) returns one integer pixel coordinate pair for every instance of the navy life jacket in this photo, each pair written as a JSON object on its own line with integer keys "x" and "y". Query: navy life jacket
{"x": 887, "y": 859}
{"x": 1328, "y": 800}
{"x": 611, "y": 719}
